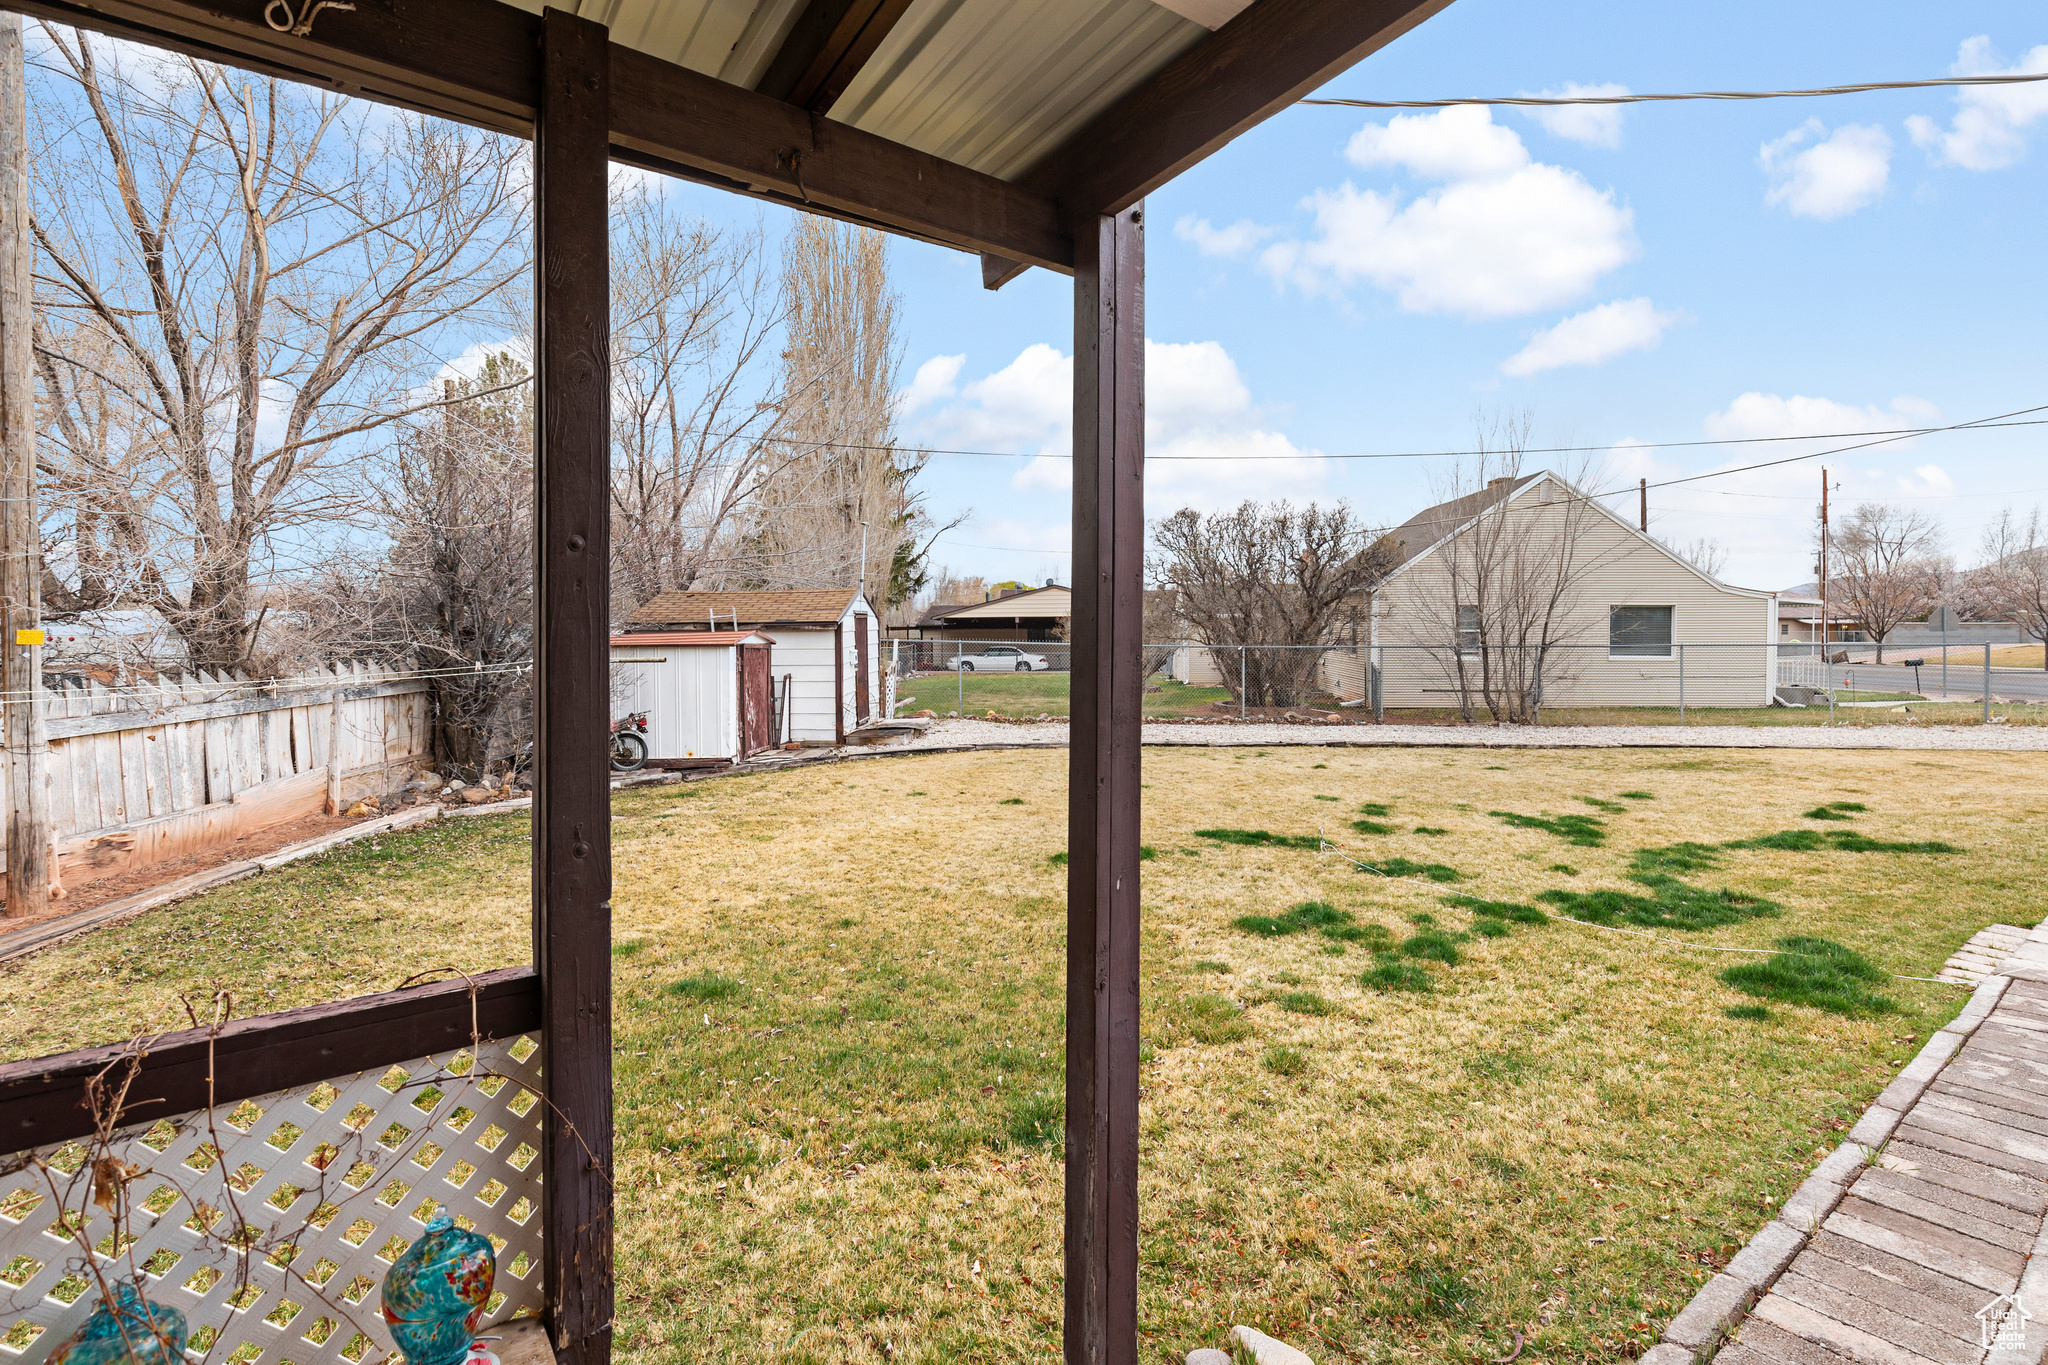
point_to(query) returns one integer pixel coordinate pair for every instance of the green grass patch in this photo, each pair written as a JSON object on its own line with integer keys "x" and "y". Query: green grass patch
{"x": 1371, "y": 827}
{"x": 1640, "y": 795}
{"x": 1671, "y": 904}
{"x": 1011, "y": 801}
{"x": 1213, "y": 1019}
{"x": 1431, "y": 829}
{"x": 1220, "y": 968}
{"x": 1284, "y": 1061}
{"x": 1759, "y": 1013}
{"x": 1258, "y": 838}
{"x": 1038, "y": 1120}
{"x": 1306, "y": 1002}
{"x": 1684, "y": 857}
{"x": 629, "y": 947}
{"x": 1022, "y": 695}
{"x": 1434, "y": 945}
{"x": 1520, "y": 914}
{"x": 707, "y": 986}
{"x": 1586, "y": 831}
{"x": 1389, "y": 973}
{"x": 1375, "y": 808}
{"x": 1602, "y": 803}
{"x": 1408, "y": 867}
{"x": 1566, "y": 868}
{"x": 1489, "y": 928}
{"x": 1320, "y": 916}
{"x": 1816, "y": 972}
{"x": 1837, "y": 810}
{"x": 1839, "y": 841}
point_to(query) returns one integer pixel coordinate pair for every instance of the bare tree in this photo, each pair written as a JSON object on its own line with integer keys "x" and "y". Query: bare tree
{"x": 2014, "y": 573}
{"x": 1704, "y": 553}
{"x": 237, "y": 280}
{"x": 1267, "y": 576}
{"x": 693, "y": 313}
{"x": 1887, "y": 568}
{"x": 843, "y": 484}
{"x": 1500, "y": 602}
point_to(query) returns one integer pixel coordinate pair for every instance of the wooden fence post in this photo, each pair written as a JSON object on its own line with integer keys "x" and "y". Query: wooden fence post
{"x": 1103, "y": 791}
{"x": 334, "y": 751}
{"x": 572, "y": 792}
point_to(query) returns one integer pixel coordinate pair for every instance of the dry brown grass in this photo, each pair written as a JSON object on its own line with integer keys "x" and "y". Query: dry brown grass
{"x": 837, "y": 1161}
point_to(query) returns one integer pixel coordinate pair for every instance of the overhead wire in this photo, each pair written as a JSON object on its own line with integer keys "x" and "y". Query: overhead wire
{"x": 1555, "y": 101}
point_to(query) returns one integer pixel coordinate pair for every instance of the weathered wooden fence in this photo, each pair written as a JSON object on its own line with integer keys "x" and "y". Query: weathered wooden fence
{"x": 144, "y": 772}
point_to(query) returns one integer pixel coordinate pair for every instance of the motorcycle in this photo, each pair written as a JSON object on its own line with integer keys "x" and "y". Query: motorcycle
{"x": 629, "y": 742}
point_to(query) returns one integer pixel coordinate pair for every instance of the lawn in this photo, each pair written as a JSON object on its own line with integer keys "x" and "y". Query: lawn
{"x": 838, "y": 1026}
{"x": 1036, "y": 694}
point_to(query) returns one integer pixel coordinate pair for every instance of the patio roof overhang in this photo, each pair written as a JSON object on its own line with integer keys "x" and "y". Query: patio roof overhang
{"x": 1027, "y": 133}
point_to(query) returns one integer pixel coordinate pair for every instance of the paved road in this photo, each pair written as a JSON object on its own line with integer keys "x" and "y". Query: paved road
{"x": 1964, "y": 682}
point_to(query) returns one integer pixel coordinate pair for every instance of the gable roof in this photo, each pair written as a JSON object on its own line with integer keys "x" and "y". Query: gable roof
{"x": 1430, "y": 527}
{"x": 696, "y": 610}
{"x": 1051, "y": 602}
{"x": 1422, "y": 532}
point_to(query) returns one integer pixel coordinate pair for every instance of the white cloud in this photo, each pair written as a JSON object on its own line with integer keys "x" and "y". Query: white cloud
{"x": 1592, "y": 337}
{"x": 1507, "y": 235}
{"x": 1765, "y": 517}
{"x": 1196, "y": 404}
{"x": 1766, "y": 414}
{"x": 934, "y": 380}
{"x": 1989, "y": 128}
{"x": 1595, "y": 125}
{"x": 1836, "y": 175}
{"x": 1235, "y": 240}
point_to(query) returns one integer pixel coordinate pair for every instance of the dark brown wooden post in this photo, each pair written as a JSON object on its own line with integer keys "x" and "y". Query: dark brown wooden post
{"x": 572, "y": 847}
{"x": 1102, "y": 810}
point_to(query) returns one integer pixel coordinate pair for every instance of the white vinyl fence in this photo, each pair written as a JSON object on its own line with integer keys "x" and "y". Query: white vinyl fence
{"x": 145, "y": 772}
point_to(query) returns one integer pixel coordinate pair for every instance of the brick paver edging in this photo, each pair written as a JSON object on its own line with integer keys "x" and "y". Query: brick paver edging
{"x": 1721, "y": 1304}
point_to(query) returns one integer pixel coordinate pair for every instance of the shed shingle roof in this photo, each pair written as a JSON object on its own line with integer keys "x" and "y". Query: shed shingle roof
{"x": 796, "y": 606}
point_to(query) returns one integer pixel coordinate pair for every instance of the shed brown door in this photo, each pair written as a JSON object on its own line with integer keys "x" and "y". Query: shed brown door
{"x": 860, "y": 667}
{"x": 757, "y": 709}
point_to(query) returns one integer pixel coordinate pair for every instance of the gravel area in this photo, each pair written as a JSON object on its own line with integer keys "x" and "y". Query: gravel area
{"x": 947, "y": 734}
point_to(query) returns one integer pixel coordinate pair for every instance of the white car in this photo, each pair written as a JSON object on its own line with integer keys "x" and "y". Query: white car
{"x": 1001, "y": 659}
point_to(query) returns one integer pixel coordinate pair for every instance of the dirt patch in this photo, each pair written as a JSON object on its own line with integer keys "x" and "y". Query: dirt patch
{"x": 257, "y": 845}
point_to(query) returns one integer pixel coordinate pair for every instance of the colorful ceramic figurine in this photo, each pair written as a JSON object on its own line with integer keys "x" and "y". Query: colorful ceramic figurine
{"x": 132, "y": 1331}
{"x": 434, "y": 1294}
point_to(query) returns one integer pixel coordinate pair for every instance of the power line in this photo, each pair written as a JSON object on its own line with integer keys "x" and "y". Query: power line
{"x": 1820, "y": 454}
{"x": 1553, "y": 101}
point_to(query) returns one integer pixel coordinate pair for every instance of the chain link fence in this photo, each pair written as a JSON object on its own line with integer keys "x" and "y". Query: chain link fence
{"x": 1514, "y": 684}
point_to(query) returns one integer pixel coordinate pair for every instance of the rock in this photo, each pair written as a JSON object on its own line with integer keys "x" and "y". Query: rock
{"x": 525, "y": 782}
{"x": 926, "y": 714}
{"x": 359, "y": 810}
{"x": 1208, "y": 1355}
{"x": 1266, "y": 1350}
{"x": 455, "y": 784}
{"x": 477, "y": 796}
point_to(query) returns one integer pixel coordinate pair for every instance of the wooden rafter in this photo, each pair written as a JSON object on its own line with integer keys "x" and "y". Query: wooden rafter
{"x": 484, "y": 69}
{"x": 829, "y": 44}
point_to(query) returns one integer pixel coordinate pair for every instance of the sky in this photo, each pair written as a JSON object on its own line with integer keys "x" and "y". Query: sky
{"x": 1342, "y": 282}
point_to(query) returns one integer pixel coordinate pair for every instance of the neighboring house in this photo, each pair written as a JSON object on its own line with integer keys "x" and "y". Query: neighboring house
{"x": 825, "y": 665}
{"x": 1630, "y": 605}
{"x": 1026, "y": 614}
{"x": 1799, "y": 622}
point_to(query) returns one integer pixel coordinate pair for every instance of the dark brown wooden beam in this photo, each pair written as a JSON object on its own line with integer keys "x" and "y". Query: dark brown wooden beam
{"x": 572, "y": 822}
{"x": 1269, "y": 56}
{"x": 478, "y": 61}
{"x": 997, "y": 271}
{"x": 826, "y": 48}
{"x": 1103, "y": 793}
{"x": 44, "y": 1101}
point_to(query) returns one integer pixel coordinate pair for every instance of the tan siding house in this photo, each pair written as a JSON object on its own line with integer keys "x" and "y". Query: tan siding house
{"x": 1630, "y": 605}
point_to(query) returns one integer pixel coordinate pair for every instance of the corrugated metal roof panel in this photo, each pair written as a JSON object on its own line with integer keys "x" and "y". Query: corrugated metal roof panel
{"x": 991, "y": 84}
{"x": 996, "y": 85}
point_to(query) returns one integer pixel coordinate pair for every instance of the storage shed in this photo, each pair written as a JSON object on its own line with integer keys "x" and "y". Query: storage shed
{"x": 706, "y": 694}
{"x": 826, "y": 660}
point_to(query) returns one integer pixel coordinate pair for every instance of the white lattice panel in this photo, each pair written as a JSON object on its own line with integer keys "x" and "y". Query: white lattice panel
{"x": 328, "y": 1184}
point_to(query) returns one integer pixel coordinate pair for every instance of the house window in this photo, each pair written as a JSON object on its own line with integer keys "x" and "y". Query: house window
{"x": 1639, "y": 632}
{"x": 1468, "y": 630}
{"x": 1784, "y": 627}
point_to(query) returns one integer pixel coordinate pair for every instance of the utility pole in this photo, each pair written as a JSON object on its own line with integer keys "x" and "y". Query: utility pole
{"x": 1643, "y": 492}
{"x": 22, "y": 731}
